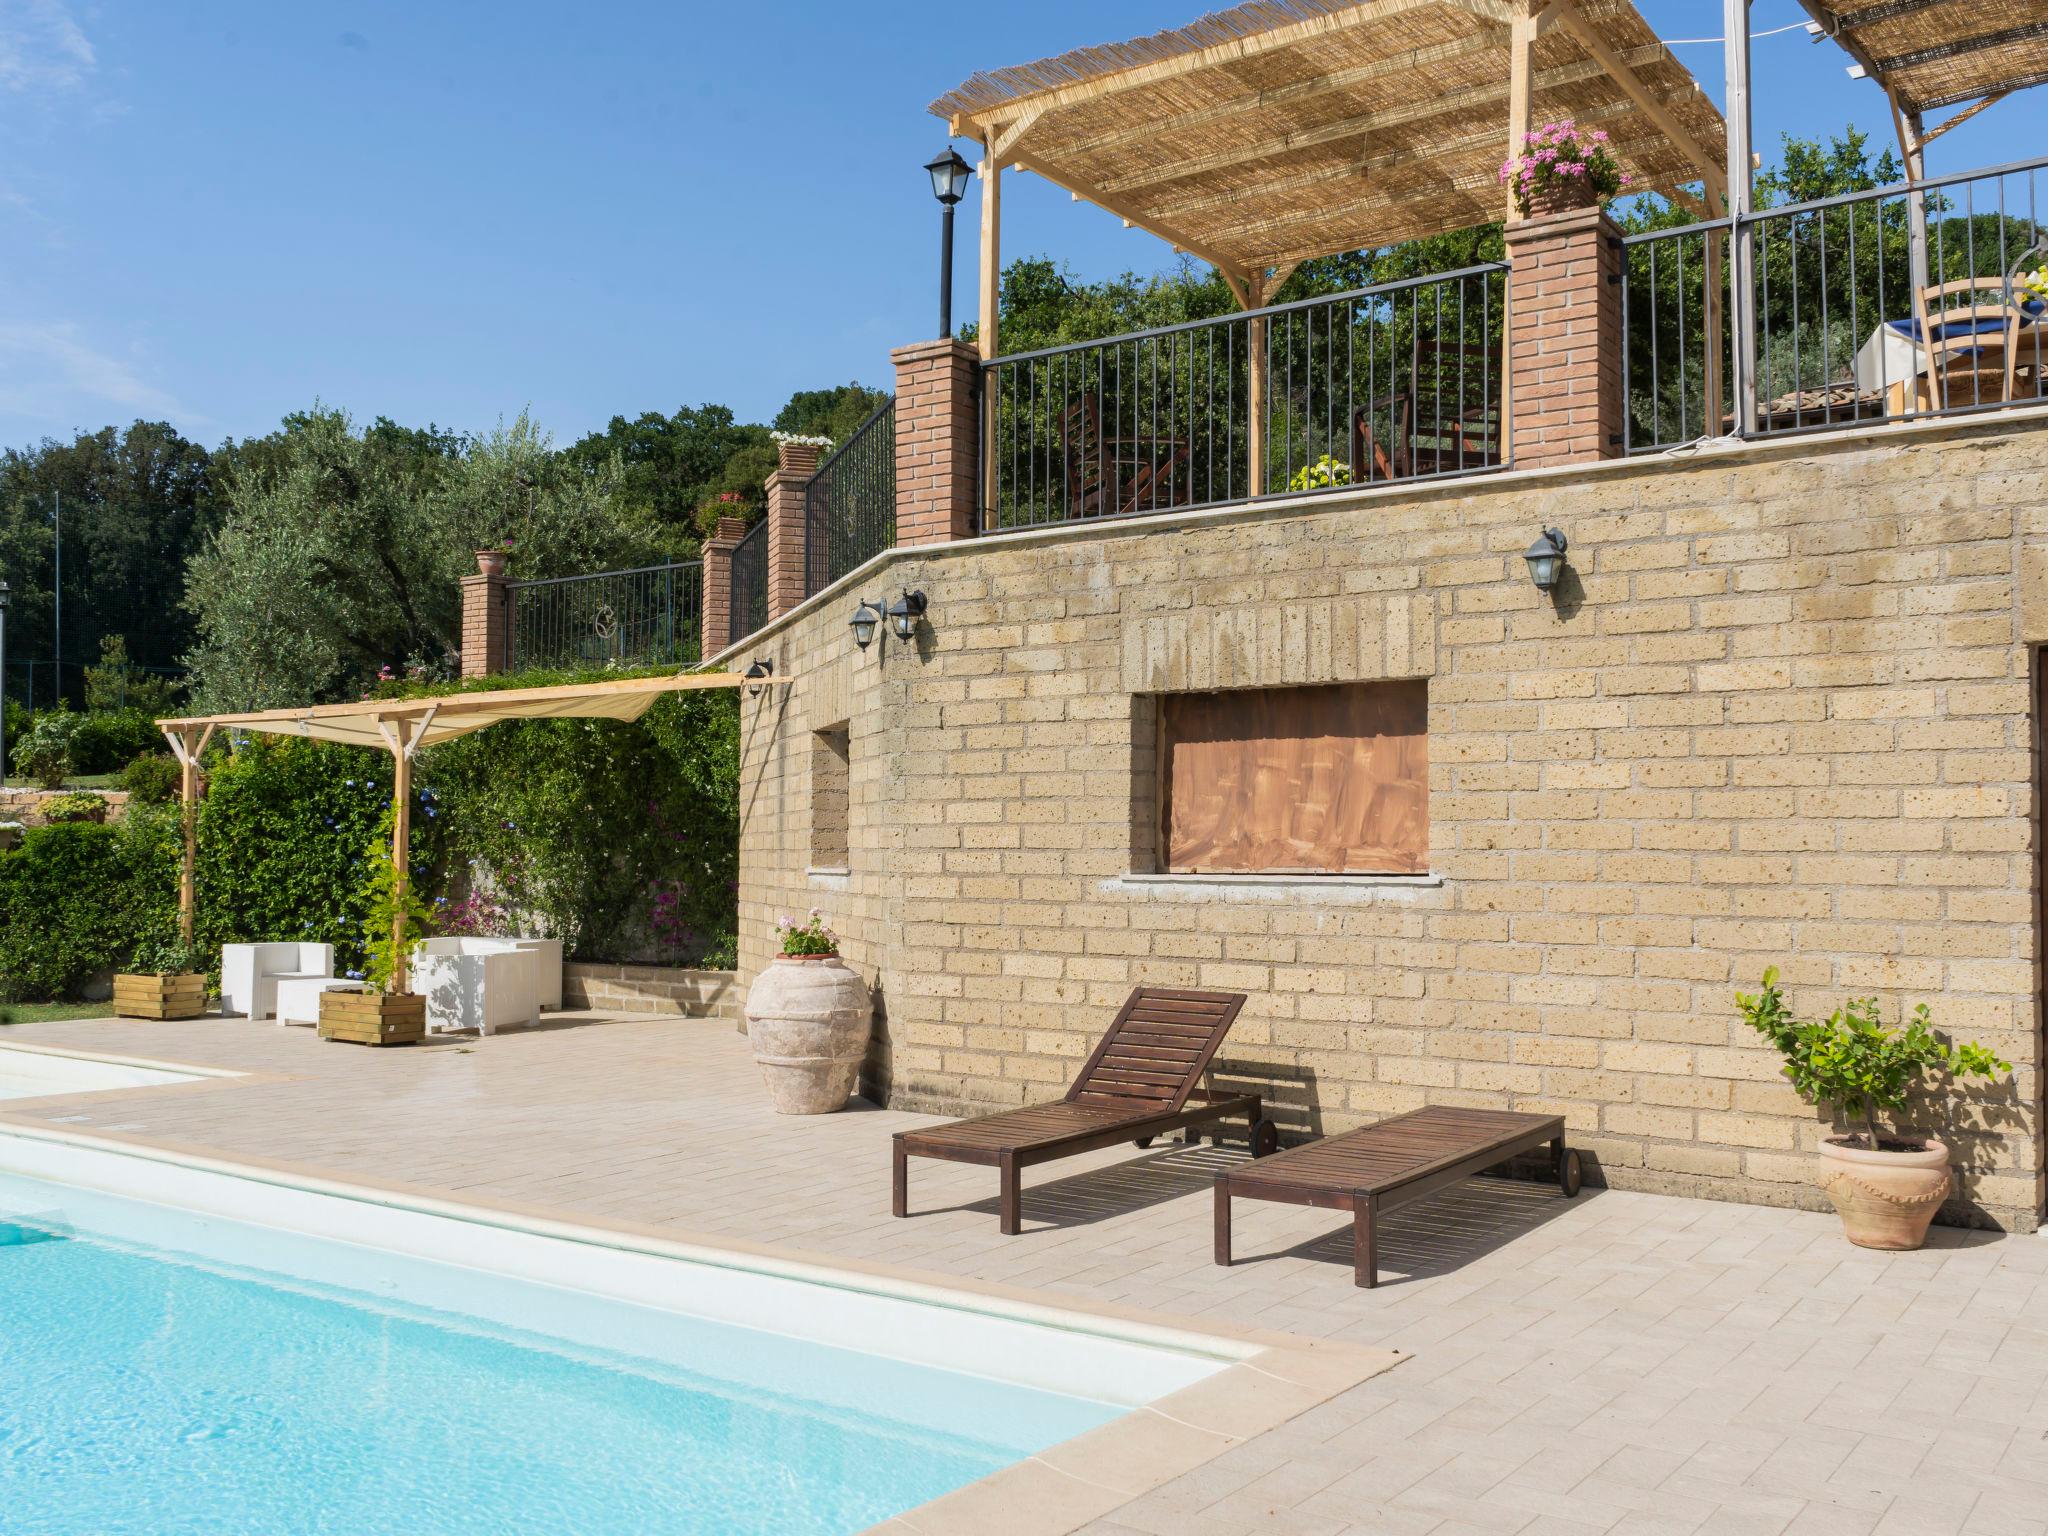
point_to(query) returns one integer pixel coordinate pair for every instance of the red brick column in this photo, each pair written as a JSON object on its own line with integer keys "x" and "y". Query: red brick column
{"x": 937, "y": 440}
{"x": 486, "y": 617}
{"x": 717, "y": 618}
{"x": 1564, "y": 339}
{"x": 795, "y": 464}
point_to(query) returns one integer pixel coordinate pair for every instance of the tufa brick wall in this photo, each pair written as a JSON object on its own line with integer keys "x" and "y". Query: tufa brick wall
{"x": 1781, "y": 712}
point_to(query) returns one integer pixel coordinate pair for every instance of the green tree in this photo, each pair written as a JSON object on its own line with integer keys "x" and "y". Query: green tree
{"x": 669, "y": 466}
{"x": 342, "y": 551}
{"x": 136, "y": 502}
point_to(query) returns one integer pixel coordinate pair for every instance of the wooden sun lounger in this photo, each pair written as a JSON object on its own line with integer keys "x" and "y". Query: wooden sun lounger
{"x": 1140, "y": 1083}
{"x": 1382, "y": 1167}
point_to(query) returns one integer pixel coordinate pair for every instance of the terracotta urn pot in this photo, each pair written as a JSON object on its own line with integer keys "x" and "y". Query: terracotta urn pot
{"x": 808, "y": 1018}
{"x": 491, "y": 562}
{"x": 1559, "y": 197}
{"x": 1886, "y": 1198}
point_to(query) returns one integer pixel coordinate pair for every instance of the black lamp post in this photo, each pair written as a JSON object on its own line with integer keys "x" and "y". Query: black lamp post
{"x": 949, "y": 175}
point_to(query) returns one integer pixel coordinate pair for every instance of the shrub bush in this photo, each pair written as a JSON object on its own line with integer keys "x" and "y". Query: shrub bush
{"x": 76, "y": 899}
{"x": 102, "y": 743}
{"x": 79, "y": 805}
{"x": 43, "y": 756}
{"x": 282, "y": 832}
{"x": 151, "y": 780}
{"x": 622, "y": 838}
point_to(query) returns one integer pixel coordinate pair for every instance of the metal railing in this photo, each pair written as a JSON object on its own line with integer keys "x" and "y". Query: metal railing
{"x": 749, "y": 584}
{"x": 1892, "y": 303}
{"x": 1399, "y": 381}
{"x": 647, "y": 616}
{"x": 850, "y": 504}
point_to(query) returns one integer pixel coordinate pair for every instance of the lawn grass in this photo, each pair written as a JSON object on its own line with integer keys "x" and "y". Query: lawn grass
{"x": 38, "y": 1013}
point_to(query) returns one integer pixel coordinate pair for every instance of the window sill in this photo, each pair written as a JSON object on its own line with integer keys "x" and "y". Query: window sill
{"x": 1342, "y": 888}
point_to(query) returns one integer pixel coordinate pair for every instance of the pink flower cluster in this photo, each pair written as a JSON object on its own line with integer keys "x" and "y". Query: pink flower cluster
{"x": 1559, "y": 154}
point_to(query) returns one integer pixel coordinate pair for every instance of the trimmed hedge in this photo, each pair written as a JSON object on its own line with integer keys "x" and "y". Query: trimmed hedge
{"x": 76, "y": 899}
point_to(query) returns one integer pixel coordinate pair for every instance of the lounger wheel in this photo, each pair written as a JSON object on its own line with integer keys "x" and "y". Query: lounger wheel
{"x": 1570, "y": 1177}
{"x": 1265, "y": 1138}
{"x": 1142, "y": 1143}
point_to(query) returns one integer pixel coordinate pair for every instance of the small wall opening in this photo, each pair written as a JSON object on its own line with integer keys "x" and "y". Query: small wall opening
{"x": 830, "y": 758}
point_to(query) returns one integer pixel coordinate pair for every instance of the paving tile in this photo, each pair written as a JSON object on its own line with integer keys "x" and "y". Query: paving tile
{"x": 1627, "y": 1364}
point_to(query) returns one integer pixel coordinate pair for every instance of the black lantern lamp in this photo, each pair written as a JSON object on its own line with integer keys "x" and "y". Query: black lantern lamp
{"x": 762, "y": 667}
{"x": 1546, "y": 559}
{"x": 905, "y": 612}
{"x": 949, "y": 175}
{"x": 863, "y": 623}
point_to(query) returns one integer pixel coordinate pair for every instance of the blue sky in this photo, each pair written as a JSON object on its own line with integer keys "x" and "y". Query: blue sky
{"x": 215, "y": 211}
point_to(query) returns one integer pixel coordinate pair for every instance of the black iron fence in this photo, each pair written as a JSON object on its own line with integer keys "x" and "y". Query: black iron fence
{"x": 1897, "y": 302}
{"x": 644, "y": 617}
{"x": 850, "y": 505}
{"x": 749, "y": 584}
{"x": 1400, "y": 381}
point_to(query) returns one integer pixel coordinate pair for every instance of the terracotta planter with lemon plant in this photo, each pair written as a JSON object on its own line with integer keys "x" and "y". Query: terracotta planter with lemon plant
{"x": 1887, "y": 1188}
{"x": 808, "y": 1019}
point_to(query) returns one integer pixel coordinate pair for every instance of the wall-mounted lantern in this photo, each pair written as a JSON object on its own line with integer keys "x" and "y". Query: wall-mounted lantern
{"x": 1546, "y": 559}
{"x": 905, "y": 612}
{"x": 762, "y": 667}
{"x": 863, "y": 623}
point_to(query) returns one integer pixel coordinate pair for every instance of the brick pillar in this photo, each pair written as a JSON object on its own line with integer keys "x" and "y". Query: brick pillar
{"x": 794, "y": 466}
{"x": 1564, "y": 343}
{"x": 718, "y": 583}
{"x": 937, "y": 440}
{"x": 486, "y": 616}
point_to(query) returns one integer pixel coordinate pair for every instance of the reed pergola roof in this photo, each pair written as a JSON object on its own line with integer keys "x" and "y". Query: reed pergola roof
{"x": 1287, "y": 129}
{"x": 1941, "y": 53}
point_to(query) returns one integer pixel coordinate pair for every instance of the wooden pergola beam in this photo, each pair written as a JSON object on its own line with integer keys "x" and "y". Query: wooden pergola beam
{"x": 1473, "y": 182}
{"x": 1484, "y": 41}
{"x": 1639, "y": 92}
{"x": 1364, "y": 123}
{"x": 1232, "y": 269}
{"x": 979, "y": 125}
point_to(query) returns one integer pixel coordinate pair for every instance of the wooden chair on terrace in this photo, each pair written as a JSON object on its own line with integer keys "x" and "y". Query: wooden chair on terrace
{"x": 1112, "y": 476}
{"x": 1970, "y": 347}
{"x": 1140, "y": 1083}
{"x": 1439, "y": 424}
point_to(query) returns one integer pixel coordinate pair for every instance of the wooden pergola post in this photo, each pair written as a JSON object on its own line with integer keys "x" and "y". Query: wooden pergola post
{"x": 987, "y": 339}
{"x": 1255, "y": 387}
{"x": 403, "y": 736}
{"x": 187, "y": 742}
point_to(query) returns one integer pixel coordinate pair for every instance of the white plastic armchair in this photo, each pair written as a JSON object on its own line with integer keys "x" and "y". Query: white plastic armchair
{"x": 467, "y": 988}
{"x": 249, "y": 973}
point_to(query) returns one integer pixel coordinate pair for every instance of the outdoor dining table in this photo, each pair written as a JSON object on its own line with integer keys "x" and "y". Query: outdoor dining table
{"x": 1891, "y": 356}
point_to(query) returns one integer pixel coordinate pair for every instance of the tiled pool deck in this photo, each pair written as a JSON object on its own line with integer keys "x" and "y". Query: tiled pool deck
{"x": 1621, "y": 1363}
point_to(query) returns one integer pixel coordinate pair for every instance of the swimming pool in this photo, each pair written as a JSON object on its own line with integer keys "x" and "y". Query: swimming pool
{"x": 171, "y": 1368}
{"x": 30, "y": 1074}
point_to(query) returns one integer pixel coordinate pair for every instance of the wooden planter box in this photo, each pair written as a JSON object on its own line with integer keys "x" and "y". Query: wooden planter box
{"x": 181, "y": 995}
{"x": 373, "y": 1018}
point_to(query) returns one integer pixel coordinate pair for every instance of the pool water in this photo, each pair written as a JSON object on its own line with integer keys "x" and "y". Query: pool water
{"x": 146, "y": 1391}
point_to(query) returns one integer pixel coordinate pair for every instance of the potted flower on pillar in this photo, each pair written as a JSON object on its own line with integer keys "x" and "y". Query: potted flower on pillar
{"x": 167, "y": 980}
{"x": 808, "y": 1018}
{"x": 1561, "y": 167}
{"x": 1887, "y": 1188}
